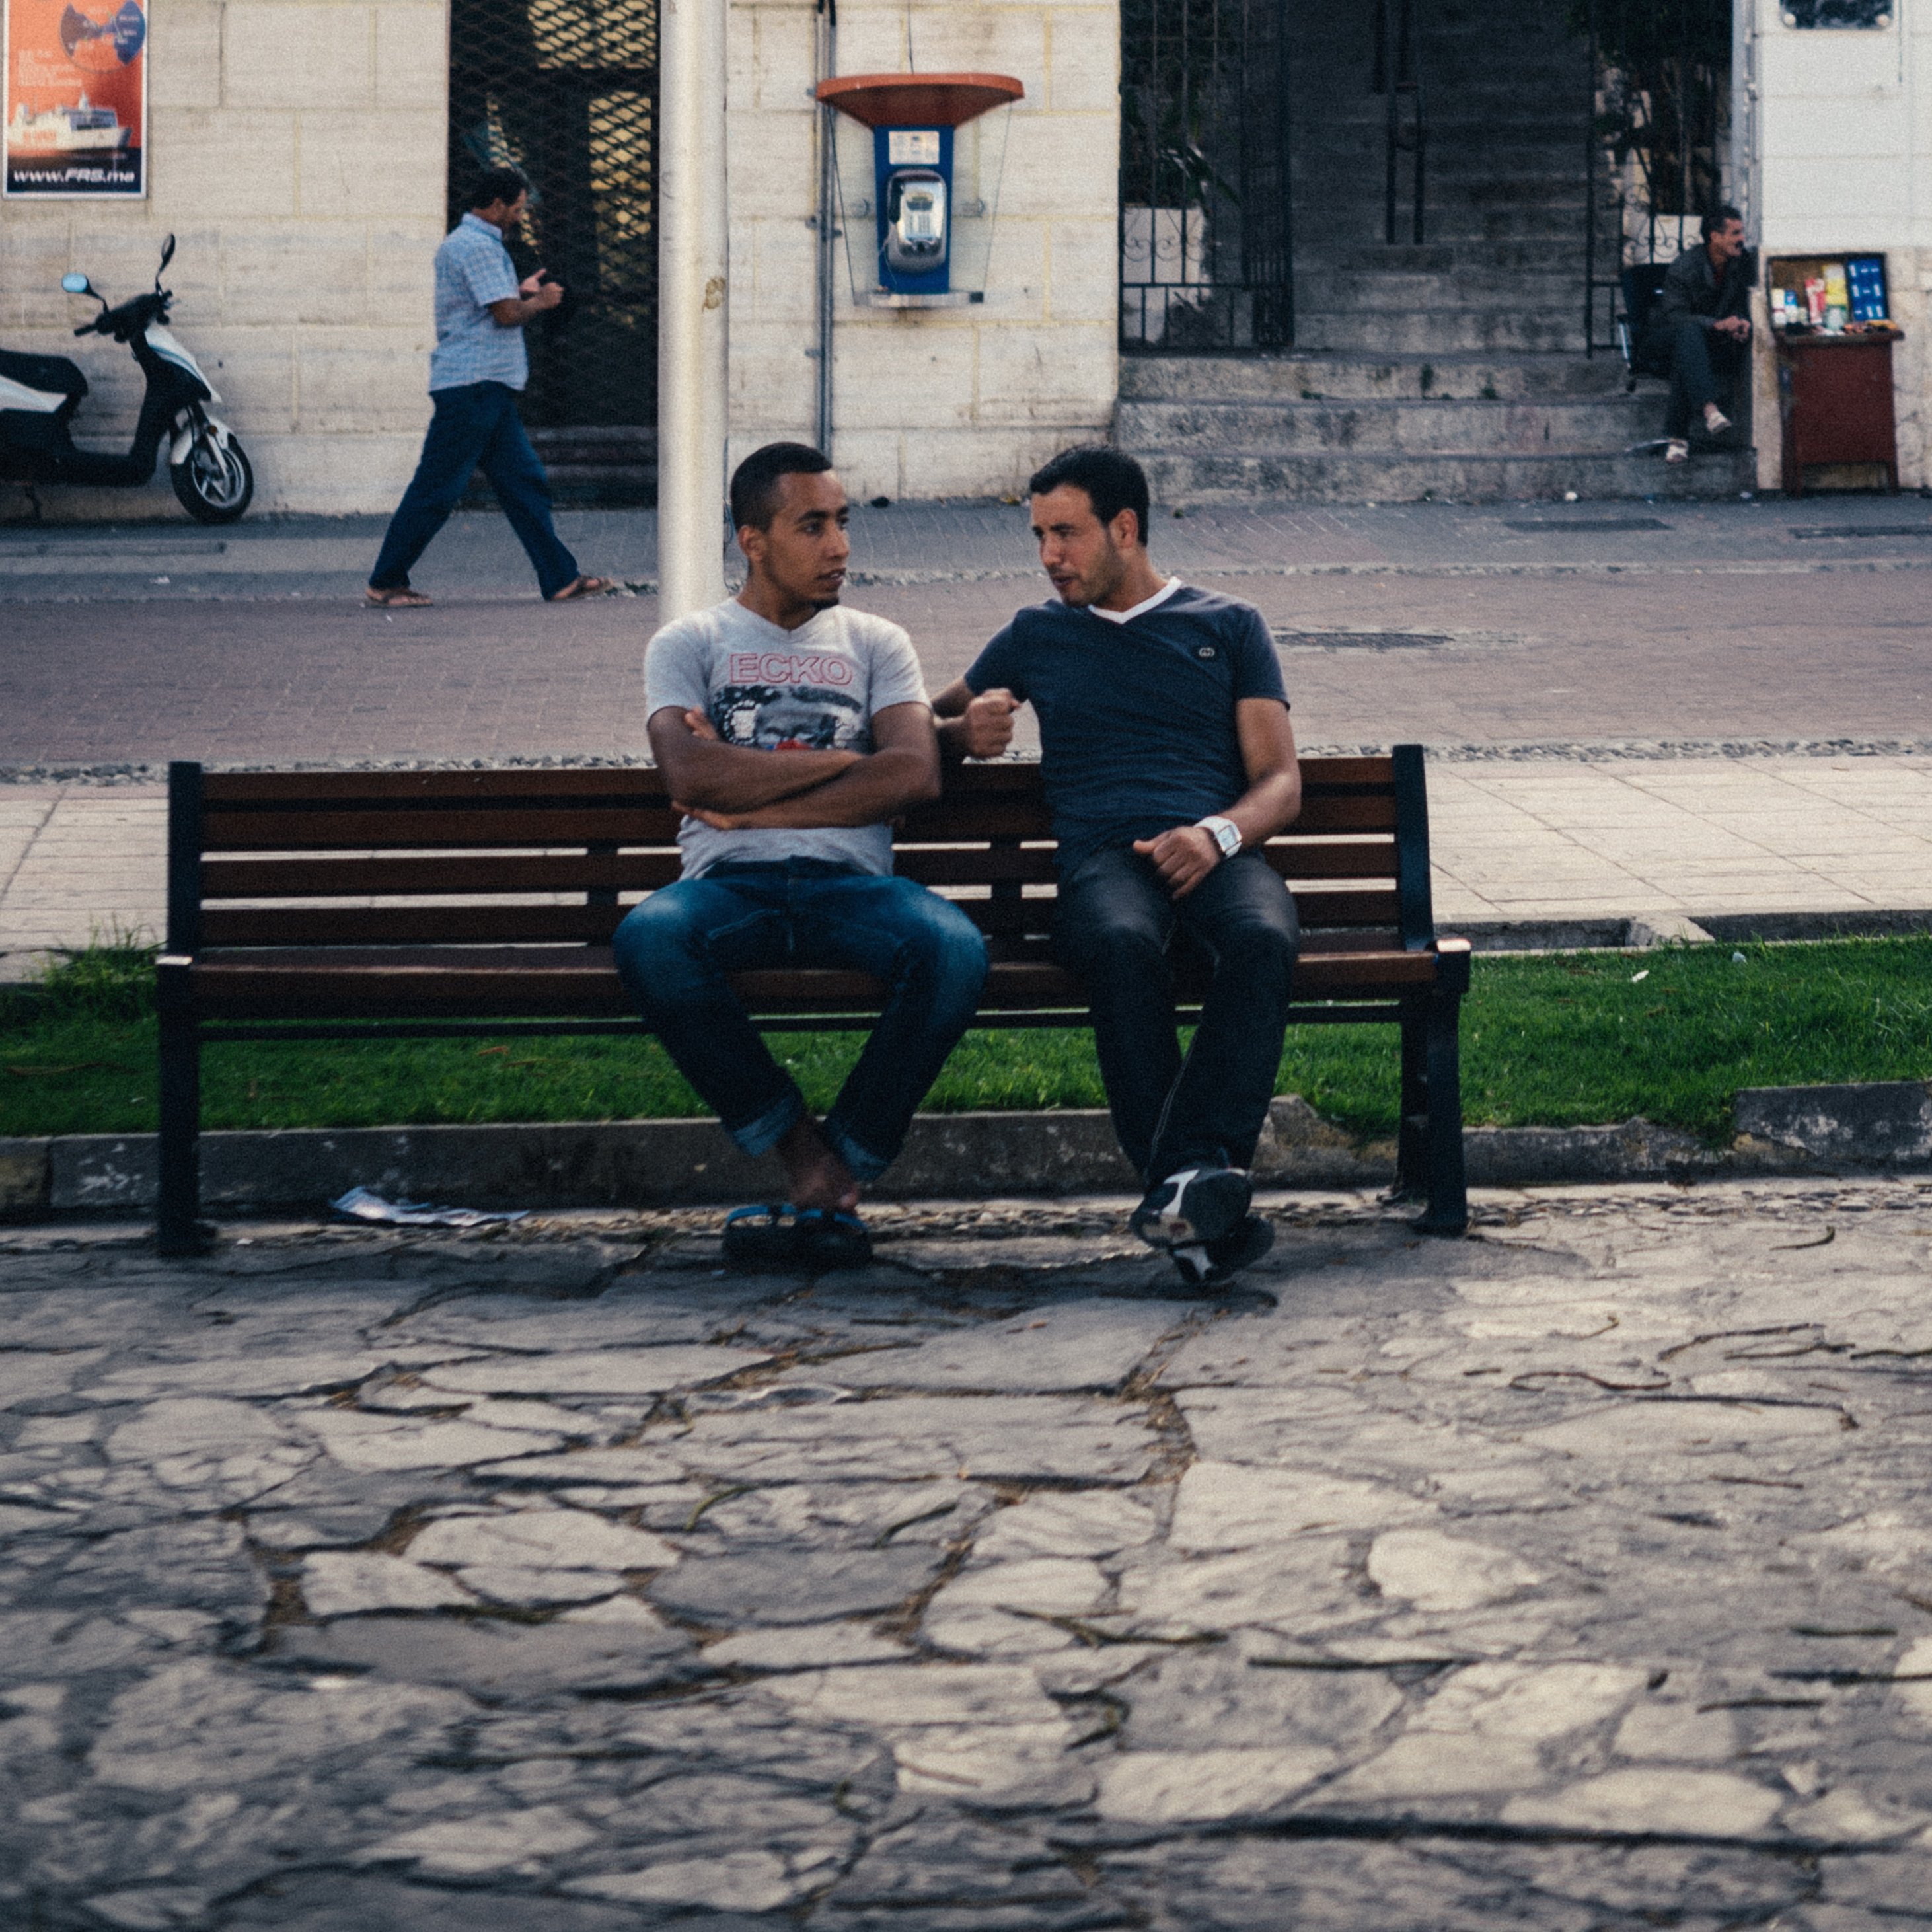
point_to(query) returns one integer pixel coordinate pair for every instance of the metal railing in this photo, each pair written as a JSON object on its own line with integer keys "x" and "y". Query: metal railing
{"x": 1206, "y": 230}
{"x": 1398, "y": 77}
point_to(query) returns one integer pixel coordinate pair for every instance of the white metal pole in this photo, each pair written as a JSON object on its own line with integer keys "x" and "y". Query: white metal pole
{"x": 693, "y": 260}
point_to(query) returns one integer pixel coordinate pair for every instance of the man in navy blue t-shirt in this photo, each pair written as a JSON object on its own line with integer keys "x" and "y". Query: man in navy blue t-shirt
{"x": 1167, "y": 760}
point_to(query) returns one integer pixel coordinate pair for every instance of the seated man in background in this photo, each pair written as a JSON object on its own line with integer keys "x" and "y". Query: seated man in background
{"x": 1168, "y": 760}
{"x": 1698, "y": 329}
{"x": 790, "y": 731}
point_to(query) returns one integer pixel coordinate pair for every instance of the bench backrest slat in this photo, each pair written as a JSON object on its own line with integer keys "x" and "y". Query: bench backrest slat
{"x": 534, "y": 855}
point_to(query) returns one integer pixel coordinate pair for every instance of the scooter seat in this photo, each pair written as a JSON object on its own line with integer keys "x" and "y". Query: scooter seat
{"x": 51, "y": 375}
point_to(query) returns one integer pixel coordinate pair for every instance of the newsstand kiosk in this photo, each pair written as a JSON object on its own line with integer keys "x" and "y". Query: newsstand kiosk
{"x": 1831, "y": 322}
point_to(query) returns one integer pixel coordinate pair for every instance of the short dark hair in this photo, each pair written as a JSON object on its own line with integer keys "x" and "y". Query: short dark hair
{"x": 1714, "y": 218}
{"x": 496, "y": 185}
{"x": 755, "y": 483}
{"x": 1113, "y": 481}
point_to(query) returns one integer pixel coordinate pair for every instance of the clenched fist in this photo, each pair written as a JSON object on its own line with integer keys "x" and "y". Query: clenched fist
{"x": 986, "y": 724}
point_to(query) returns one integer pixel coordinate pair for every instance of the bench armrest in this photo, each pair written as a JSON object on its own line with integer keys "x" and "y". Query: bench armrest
{"x": 1452, "y": 960}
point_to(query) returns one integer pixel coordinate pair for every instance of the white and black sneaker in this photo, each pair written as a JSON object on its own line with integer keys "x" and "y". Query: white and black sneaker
{"x": 1205, "y": 1264}
{"x": 1197, "y": 1206}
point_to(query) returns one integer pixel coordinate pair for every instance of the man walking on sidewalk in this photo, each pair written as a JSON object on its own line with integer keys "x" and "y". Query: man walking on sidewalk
{"x": 477, "y": 369}
{"x": 1168, "y": 760}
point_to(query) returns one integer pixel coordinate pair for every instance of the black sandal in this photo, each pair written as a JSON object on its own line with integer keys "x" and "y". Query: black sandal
{"x": 808, "y": 1240}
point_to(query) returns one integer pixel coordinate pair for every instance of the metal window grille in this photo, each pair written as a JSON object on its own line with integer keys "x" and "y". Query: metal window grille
{"x": 1206, "y": 234}
{"x": 567, "y": 90}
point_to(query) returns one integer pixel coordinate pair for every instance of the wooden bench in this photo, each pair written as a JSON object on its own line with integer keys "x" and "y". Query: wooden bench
{"x": 332, "y": 905}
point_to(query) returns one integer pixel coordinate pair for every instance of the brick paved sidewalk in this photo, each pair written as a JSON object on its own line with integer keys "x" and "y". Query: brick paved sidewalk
{"x": 1548, "y": 841}
{"x": 1569, "y": 1577}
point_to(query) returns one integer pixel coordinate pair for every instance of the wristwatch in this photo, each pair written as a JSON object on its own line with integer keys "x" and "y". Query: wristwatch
{"x": 1224, "y": 832}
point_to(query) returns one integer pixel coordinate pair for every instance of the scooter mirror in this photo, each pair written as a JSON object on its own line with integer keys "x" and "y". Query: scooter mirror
{"x": 76, "y": 285}
{"x": 167, "y": 256}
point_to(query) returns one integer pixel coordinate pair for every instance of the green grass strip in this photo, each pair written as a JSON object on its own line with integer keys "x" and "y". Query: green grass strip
{"x": 1555, "y": 1039}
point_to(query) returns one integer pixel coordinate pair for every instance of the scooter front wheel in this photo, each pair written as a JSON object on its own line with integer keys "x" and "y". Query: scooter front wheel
{"x": 215, "y": 482}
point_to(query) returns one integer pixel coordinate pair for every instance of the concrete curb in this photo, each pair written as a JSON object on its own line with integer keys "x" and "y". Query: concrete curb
{"x": 1880, "y": 1127}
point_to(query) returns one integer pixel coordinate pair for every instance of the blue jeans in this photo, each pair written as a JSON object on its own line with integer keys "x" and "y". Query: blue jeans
{"x": 475, "y": 425}
{"x": 675, "y": 950}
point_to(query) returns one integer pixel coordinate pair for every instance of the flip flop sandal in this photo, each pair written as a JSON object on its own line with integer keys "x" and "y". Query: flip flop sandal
{"x": 398, "y": 597}
{"x": 811, "y": 1240}
{"x": 584, "y": 586}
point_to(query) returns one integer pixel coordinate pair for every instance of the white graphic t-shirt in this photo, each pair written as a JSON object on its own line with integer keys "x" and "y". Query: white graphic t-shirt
{"x": 815, "y": 688}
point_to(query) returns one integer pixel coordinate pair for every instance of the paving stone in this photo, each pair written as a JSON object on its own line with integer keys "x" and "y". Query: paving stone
{"x": 1714, "y": 1803}
{"x": 1090, "y": 1522}
{"x": 496, "y": 1660}
{"x": 564, "y": 1538}
{"x": 348, "y": 1582}
{"x": 531, "y": 1588}
{"x": 337, "y": 1901}
{"x": 1071, "y": 1346}
{"x": 1223, "y": 1506}
{"x": 810, "y": 1647}
{"x": 1439, "y": 1572}
{"x": 993, "y": 1439}
{"x": 376, "y": 1442}
{"x": 1198, "y": 1787}
{"x": 201, "y": 1725}
{"x": 599, "y": 1372}
{"x": 793, "y": 1585}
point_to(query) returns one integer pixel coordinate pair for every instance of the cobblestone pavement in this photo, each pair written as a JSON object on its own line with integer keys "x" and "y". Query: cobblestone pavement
{"x": 1573, "y": 1576}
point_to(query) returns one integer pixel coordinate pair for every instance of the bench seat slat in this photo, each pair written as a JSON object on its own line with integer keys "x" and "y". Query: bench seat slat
{"x": 536, "y": 980}
{"x": 348, "y": 925}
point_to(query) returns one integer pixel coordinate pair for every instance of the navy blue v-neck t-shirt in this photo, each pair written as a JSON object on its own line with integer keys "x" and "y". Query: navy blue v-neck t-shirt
{"x": 1136, "y": 720}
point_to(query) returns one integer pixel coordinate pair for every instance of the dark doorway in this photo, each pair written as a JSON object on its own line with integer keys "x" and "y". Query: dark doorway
{"x": 1206, "y": 237}
{"x": 567, "y": 90}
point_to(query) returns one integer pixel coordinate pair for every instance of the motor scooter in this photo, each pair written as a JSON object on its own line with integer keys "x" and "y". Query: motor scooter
{"x": 40, "y": 393}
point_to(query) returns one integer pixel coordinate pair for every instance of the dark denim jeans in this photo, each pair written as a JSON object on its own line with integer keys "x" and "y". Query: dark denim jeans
{"x": 676, "y": 949}
{"x": 1704, "y": 368}
{"x": 476, "y": 425}
{"x": 1115, "y": 930}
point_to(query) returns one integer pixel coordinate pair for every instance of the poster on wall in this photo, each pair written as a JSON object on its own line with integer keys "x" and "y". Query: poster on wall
{"x": 73, "y": 88}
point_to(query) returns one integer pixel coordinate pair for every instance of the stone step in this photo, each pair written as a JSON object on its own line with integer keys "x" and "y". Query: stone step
{"x": 1467, "y": 476}
{"x": 1423, "y": 331}
{"x": 1557, "y": 288}
{"x": 1446, "y": 258}
{"x": 1343, "y": 376}
{"x": 1605, "y": 424}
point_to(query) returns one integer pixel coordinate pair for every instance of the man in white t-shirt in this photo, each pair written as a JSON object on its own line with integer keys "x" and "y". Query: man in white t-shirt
{"x": 791, "y": 731}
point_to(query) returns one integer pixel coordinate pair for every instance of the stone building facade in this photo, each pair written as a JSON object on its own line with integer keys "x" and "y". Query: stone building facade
{"x": 300, "y": 149}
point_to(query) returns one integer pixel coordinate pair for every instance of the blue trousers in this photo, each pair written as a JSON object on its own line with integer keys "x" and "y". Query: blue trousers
{"x": 1704, "y": 367}
{"x": 675, "y": 950}
{"x": 476, "y": 426}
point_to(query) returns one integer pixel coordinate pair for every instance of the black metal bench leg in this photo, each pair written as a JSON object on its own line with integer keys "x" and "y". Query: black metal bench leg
{"x": 179, "y": 1230}
{"x": 1411, "y": 1145}
{"x": 1448, "y": 1210}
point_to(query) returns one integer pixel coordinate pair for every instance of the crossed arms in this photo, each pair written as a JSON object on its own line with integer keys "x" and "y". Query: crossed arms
{"x": 735, "y": 787}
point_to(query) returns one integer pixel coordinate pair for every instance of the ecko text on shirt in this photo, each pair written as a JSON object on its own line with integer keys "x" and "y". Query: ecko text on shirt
{"x": 789, "y": 667}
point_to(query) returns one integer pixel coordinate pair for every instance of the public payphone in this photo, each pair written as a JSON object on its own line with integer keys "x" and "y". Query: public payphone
{"x": 912, "y": 118}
